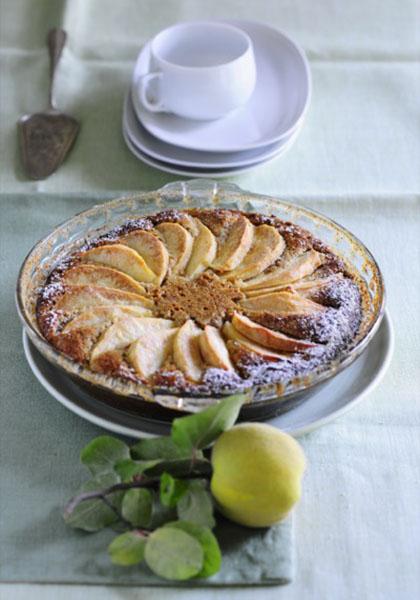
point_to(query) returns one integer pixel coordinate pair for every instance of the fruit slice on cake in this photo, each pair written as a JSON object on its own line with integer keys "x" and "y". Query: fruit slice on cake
{"x": 299, "y": 267}
{"x": 203, "y": 251}
{"x": 150, "y": 351}
{"x": 213, "y": 349}
{"x": 187, "y": 354}
{"x": 79, "y": 336}
{"x": 267, "y": 246}
{"x": 234, "y": 244}
{"x": 310, "y": 287}
{"x": 179, "y": 243}
{"x": 231, "y": 333}
{"x": 78, "y": 298}
{"x": 101, "y": 317}
{"x": 123, "y": 333}
{"x": 151, "y": 249}
{"x": 267, "y": 337}
{"x": 190, "y": 223}
{"x": 120, "y": 257}
{"x": 284, "y": 302}
{"x": 85, "y": 274}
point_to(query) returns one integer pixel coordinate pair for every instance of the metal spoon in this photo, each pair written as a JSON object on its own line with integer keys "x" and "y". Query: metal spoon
{"x": 46, "y": 137}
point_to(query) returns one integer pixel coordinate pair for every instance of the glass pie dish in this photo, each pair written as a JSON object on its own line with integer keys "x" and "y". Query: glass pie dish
{"x": 263, "y": 400}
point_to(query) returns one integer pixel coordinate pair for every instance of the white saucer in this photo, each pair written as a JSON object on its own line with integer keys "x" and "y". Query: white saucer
{"x": 184, "y": 157}
{"x": 340, "y": 394}
{"x": 279, "y": 102}
{"x": 191, "y": 171}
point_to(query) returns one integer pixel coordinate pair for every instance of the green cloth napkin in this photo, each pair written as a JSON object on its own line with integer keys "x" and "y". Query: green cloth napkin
{"x": 40, "y": 443}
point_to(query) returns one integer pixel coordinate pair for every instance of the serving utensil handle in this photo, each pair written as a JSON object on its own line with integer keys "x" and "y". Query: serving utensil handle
{"x": 56, "y": 40}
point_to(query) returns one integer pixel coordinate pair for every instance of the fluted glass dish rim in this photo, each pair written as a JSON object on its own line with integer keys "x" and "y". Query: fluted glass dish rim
{"x": 199, "y": 193}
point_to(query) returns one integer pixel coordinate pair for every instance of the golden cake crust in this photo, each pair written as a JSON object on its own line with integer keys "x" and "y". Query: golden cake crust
{"x": 205, "y": 300}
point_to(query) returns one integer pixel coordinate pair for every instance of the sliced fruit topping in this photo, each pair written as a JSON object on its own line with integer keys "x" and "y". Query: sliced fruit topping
{"x": 187, "y": 351}
{"x": 231, "y": 333}
{"x": 77, "y": 298}
{"x": 267, "y": 337}
{"x": 151, "y": 249}
{"x": 127, "y": 330}
{"x": 203, "y": 251}
{"x": 122, "y": 258}
{"x": 79, "y": 336}
{"x": 264, "y": 291}
{"x": 150, "y": 351}
{"x": 213, "y": 349}
{"x": 267, "y": 247}
{"x": 285, "y": 302}
{"x": 299, "y": 267}
{"x": 85, "y": 274}
{"x": 216, "y": 220}
{"x": 190, "y": 224}
{"x": 234, "y": 244}
{"x": 102, "y": 316}
{"x": 179, "y": 243}
{"x": 307, "y": 287}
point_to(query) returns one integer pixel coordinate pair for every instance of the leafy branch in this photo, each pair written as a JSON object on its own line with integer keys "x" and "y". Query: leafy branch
{"x": 158, "y": 491}
{"x": 118, "y": 487}
{"x": 102, "y": 494}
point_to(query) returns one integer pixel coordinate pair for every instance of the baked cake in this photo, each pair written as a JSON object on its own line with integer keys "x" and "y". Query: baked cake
{"x": 202, "y": 301}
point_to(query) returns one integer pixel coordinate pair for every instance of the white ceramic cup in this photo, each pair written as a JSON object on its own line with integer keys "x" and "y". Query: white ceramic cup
{"x": 199, "y": 70}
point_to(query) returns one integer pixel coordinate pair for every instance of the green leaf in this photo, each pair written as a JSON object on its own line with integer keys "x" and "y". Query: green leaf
{"x": 180, "y": 467}
{"x": 95, "y": 514}
{"x": 201, "y": 429}
{"x": 136, "y": 507}
{"x": 127, "y": 549}
{"x": 212, "y": 556}
{"x": 102, "y": 453}
{"x": 196, "y": 505}
{"x": 161, "y": 514}
{"x": 128, "y": 468}
{"x": 174, "y": 554}
{"x": 159, "y": 447}
{"x": 171, "y": 489}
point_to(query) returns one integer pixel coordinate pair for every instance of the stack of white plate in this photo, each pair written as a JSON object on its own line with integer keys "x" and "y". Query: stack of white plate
{"x": 265, "y": 128}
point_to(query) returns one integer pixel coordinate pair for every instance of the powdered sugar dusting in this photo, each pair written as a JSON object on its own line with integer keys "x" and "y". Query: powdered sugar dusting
{"x": 331, "y": 329}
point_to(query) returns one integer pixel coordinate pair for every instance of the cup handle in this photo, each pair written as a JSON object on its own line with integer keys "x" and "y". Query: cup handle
{"x": 157, "y": 106}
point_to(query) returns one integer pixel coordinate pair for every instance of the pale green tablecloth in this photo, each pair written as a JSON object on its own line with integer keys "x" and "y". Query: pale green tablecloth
{"x": 357, "y": 160}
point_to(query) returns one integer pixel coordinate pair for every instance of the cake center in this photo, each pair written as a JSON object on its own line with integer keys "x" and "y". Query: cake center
{"x": 206, "y": 299}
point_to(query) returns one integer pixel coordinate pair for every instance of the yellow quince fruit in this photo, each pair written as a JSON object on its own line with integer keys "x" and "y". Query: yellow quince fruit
{"x": 257, "y": 473}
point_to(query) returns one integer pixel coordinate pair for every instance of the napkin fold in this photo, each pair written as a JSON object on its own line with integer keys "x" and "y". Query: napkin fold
{"x": 50, "y": 552}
